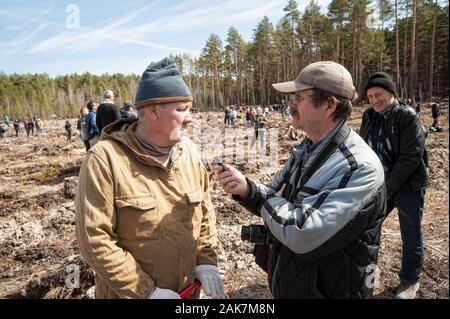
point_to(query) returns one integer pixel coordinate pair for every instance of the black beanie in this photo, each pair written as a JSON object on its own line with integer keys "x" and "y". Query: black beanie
{"x": 382, "y": 80}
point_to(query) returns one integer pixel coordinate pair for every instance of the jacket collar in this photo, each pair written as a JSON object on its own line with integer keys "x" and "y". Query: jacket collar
{"x": 299, "y": 149}
{"x": 122, "y": 132}
{"x": 386, "y": 114}
{"x": 107, "y": 101}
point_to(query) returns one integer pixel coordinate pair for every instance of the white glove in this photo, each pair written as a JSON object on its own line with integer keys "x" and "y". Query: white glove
{"x": 161, "y": 293}
{"x": 212, "y": 284}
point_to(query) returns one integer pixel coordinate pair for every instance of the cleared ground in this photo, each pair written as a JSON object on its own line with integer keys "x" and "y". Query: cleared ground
{"x": 38, "y": 245}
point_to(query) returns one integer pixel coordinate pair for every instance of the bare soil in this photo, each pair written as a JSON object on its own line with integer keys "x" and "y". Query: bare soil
{"x": 37, "y": 226}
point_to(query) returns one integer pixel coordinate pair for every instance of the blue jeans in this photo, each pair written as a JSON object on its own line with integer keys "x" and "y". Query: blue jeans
{"x": 410, "y": 210}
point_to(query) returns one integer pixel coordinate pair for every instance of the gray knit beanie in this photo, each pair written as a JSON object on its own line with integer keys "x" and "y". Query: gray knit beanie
{"x": 161, "y": 83}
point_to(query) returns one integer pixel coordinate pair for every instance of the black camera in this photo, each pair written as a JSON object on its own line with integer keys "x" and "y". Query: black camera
{"x": 256, "y": 234}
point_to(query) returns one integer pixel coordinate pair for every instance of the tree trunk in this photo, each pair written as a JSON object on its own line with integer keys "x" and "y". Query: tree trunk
{"x": 204, "y": 90}
{"x": 413, "y": 76}
{"x": 213, "y": 91}
{"x": 355, "y": 44}
{"x": 238, "y": 78}
{"x": 247, "y": 78}
{"x": 397, "y": 54}
{"x": 261, "y": 83}
{"x": 433, "y": 42}
{"x": 381, "y": 44}
{"x": 338, "y": 40}
{"x": 405, "y": 52}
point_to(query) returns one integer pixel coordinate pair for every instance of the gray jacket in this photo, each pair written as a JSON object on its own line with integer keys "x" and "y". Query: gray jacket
{"x": 331, "y": 222}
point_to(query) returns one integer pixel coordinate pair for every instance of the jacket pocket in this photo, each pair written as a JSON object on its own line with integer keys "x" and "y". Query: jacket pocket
{"x": 194, "y": 200}
{"x": 137, "y": 217}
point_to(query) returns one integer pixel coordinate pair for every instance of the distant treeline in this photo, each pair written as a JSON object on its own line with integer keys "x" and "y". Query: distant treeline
{"x": 40, "y": 95}
{"x": 407, "y": 39}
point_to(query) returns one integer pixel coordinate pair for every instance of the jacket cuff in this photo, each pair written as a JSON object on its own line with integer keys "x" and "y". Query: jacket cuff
{"x": 253, "y": 201}
{"x": 145, "y": 288}
{"x": 210, "y": 258}
{"x": 250, "y": 196}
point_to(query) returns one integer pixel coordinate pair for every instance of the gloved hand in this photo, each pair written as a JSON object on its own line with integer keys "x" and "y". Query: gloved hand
{"x": 212, "y": 284}
{"x": 161, "y": 293}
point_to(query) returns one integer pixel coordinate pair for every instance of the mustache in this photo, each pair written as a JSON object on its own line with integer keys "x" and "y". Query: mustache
{"x": 293, "y": 112}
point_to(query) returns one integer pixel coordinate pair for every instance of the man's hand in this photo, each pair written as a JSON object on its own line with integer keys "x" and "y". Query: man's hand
{"x": 232, "y": 181}
{"x": 161, "y": 293}
{"x": 212, "y": 284}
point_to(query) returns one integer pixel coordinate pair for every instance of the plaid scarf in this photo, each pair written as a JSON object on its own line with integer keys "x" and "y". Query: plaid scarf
{"x": 379, "y": 142}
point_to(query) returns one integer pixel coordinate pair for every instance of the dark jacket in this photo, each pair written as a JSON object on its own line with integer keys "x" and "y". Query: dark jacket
{"x": 106, "y": 114}
{"x": 407, "y": 137}
{"x": 435, "y": 111}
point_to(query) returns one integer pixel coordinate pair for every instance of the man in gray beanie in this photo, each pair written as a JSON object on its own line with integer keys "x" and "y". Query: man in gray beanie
{"x": 145, "y": 221}
{"x": 322, "y": 212}
{"x": 394, "y": 131}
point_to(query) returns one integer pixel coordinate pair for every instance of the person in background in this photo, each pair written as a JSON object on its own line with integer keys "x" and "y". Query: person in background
{"x": 93, "y": 133}
{"x": 82, "y": 127}
{"x": 25, "y": 126}
{"x": 2, "y": 130}
{"x": 107, "y": 111}
{"x": 227, "y": 112}
{"x": 128, "y": 110}
{"x": 418, "y": 109}
{"x": 260, "y": 131}
{"x": 31, "y": 126}
{"x": 6, "y": 120}
{"x": 38, "y": 123}
{"x": 435, "y": 113}
{"x": 395, "y": 132}
{"x": 17, "y": 127}
{"x": 68, "y": 127}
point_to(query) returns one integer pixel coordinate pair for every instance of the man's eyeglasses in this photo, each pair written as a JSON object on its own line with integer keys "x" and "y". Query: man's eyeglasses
{"x": 300, "y": 99}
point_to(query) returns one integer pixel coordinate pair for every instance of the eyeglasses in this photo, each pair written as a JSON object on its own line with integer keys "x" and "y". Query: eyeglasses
{"x": 299, "y": 99}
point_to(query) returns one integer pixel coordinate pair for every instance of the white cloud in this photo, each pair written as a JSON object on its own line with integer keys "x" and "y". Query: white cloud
{"x": 26, "y": 32}
{"x": 189, "y": 16}
{"x": 114, "y": 33}
{"x": 142, "y": 28}
{"x": 20, "y": 42}
{"x": 25, "y": 13}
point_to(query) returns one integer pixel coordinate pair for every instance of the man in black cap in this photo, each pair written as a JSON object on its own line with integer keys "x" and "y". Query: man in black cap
{"x": 145, "y": 221}
{"x": 394, "y": 131}
{"x": 127, "y": 110}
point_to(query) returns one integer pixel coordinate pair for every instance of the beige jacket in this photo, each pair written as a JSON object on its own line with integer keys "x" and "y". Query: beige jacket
{"x": 140, "y": 225}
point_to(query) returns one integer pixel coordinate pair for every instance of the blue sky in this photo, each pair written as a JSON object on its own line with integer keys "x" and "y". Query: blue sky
{"x": 118, "y": 36}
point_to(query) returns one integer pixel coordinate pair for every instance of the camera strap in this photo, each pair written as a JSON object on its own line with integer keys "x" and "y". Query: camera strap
{"x": 321, "y": 158}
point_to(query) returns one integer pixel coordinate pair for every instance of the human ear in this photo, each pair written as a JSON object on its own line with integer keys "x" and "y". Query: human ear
{"x": 154, "y": 114}
{"x": 331, "y": 106}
